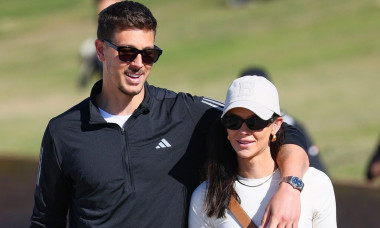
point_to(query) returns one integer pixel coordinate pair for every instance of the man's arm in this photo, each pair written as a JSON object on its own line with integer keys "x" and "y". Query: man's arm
{"x": 292, "y": 160}
{"x": 51, "y": 198}
{"x": 284, "y": 208}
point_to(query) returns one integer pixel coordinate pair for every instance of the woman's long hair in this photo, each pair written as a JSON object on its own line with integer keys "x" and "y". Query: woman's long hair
{"x": 222, "y": 169}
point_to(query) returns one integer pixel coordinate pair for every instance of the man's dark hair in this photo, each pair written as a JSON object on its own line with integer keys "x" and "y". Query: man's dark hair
{"x": 124, "y": 15}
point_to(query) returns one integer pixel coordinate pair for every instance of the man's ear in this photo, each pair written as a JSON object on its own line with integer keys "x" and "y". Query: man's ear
{"x": 99, "y": 45}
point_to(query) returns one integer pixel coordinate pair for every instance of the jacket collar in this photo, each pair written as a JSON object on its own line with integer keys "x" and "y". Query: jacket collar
{"x": 96, "y": 117}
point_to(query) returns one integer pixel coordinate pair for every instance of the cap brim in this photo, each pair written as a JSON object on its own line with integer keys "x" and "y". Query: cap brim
{"x": 256, "y": 108}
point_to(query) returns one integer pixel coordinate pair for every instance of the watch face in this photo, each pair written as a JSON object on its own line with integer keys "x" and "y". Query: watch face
{"x": 297, "y": 182}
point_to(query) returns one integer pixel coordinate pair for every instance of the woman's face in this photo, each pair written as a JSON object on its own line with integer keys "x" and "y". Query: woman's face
{"x": 249, "y": 143}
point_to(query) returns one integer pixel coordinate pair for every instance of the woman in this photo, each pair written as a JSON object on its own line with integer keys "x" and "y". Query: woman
{"x": 242, "y": 163}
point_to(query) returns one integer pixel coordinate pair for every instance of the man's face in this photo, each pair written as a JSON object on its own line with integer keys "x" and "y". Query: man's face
{"x": 127, "y": 78}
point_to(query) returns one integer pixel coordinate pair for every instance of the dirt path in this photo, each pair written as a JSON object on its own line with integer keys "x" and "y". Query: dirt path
{"x": 356, "y": 206}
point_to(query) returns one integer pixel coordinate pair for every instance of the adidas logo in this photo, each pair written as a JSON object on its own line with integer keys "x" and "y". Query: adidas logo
{"x": 163, "y": 144}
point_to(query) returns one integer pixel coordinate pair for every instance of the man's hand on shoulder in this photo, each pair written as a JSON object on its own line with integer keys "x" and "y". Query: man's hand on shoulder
{"x": 284, "y": 208}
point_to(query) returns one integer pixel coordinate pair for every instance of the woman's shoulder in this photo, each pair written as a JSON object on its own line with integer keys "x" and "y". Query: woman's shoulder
{"x": 316, "y": 179}
{"x": 200, "y": 191}
{"x": 313, "y": 172}
{"x": 197, "y": 198}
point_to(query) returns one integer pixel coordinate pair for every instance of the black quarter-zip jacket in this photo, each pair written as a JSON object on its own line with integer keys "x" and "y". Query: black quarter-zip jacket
{"x": 141, "y": 175}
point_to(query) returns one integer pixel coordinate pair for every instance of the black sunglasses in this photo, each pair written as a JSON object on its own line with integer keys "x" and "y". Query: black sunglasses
{"x": 128, "y": 54}
{"x": 254, "y": 123}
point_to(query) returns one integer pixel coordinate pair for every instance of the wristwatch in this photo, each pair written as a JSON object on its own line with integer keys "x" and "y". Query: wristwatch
{"x": 295, "y": 182}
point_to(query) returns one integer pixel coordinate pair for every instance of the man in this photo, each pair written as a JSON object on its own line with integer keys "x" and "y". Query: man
{"x": 128, "y": 156}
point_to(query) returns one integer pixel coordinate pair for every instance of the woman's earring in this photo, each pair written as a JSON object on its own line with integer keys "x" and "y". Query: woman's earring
{"x": 228, "y": 137}
{"x": 274, "y": 138}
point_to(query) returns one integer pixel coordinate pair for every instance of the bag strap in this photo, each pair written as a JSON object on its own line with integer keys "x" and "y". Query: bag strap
{"x": 239, "y": 213}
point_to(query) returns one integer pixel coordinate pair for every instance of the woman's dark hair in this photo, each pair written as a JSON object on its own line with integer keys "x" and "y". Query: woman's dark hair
{"x": 222, "y": 169}
{"x": 124, "y": 15}
{"x": 275, "y": 146}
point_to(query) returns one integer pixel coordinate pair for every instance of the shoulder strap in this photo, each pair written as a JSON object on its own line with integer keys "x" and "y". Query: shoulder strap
{"x": 239, "y": 213}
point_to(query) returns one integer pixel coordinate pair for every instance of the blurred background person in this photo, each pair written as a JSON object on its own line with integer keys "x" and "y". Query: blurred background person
{"x": 90, "y": 66}
{"x": 373, "y": 168}
{"x": 313, "y": 150}
{"x": 102, "y": 4}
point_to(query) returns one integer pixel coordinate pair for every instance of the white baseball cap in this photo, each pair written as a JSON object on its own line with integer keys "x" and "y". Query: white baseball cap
{"x": 255, "y": 93}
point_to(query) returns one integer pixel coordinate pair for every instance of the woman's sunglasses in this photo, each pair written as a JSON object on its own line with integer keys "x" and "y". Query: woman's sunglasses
{"x": 233, "y": 122}
{"x": 128, "y": 54}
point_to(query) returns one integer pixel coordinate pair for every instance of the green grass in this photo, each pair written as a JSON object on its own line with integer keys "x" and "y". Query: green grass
{"x": 322, "y": 55}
